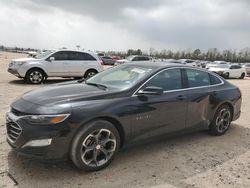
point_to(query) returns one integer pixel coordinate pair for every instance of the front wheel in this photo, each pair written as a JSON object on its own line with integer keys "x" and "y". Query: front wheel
{"x": 221, "y": 121}
{"x": 35, "y": 76}
{"x": 95, "y": 146}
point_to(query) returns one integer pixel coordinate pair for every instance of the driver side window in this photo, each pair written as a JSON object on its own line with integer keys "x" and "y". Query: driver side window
{"x": 167, "y": 80}
{"x": 61, "y": 56}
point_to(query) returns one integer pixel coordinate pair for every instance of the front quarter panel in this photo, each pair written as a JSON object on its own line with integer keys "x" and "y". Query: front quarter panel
{"x": 118, "y": 109}
{"x": 33, "y": 64}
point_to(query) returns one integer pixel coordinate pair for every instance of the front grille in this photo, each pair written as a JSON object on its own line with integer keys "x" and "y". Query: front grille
{"x": 13, "y": 130}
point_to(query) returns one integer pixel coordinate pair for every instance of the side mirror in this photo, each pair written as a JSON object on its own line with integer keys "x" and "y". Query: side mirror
{"x": 51, "y": 59}
{"x": 151, "y": 90}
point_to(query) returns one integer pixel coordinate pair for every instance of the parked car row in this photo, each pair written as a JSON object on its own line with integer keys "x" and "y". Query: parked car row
{"x": 79, "y": 64}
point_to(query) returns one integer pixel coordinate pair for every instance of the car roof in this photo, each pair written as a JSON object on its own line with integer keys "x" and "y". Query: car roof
{"x": 159, "y": 64}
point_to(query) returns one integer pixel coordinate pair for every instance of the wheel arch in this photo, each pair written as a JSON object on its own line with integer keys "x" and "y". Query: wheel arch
{"x": 36, "y": 68}
{"x": 228, "y": 103}
{"x": 117, "y": 124}
{"x": 90, "y": 69}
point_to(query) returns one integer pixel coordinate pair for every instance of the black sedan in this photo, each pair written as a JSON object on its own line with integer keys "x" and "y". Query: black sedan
{"x": 89, "y": 121}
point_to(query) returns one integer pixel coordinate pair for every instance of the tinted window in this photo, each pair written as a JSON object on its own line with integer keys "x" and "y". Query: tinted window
{"x": 235, "y": 67}
{"x": 167, "y": 80}
{"x": 214, "y": 80}
{"x": 197, "y": 78}
{"x": 88, "y": 57}
{"x": 135, "y": 59}
{"x": 60, "y": 56}
{"x": 76, "y": 56}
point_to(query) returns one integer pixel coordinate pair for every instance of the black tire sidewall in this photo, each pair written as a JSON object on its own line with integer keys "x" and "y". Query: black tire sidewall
{"x": 82, "y": 134}
{"x": 242, "y": 76}
{"x": 89, "y": 71}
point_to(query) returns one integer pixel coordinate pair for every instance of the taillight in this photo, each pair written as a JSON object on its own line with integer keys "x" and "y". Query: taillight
{"x": 101, "y": 62}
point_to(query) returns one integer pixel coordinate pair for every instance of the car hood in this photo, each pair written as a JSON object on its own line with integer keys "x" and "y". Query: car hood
{"x": 23, "y": 59}
{"x": 64, "y": 92}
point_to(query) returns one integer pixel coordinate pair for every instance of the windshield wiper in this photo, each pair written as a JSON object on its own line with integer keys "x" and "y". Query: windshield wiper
{"x": 97, "y": 85}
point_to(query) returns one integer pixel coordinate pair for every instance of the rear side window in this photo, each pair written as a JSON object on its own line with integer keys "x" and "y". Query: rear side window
{"x": 214, "y": 80}
{"x": 167, "y": 80}
{"x": 76, "y": 56}
{"x": 88, "y": 57}
{"x": 197, "y": 78}
{"x": 80, "y": 56}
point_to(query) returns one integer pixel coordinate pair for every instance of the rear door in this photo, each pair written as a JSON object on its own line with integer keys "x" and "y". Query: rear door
{"x": 200, "y": 96}
{"x": 60, "y": 66}
{"x": 80, "y": 63}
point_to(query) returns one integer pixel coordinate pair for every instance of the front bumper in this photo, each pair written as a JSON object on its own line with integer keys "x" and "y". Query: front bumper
{"x": 14, "y": 72}
{"x": 56, "y": 150}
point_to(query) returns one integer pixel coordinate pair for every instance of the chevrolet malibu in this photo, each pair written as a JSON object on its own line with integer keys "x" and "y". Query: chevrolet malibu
{"x": 89, "y": 121}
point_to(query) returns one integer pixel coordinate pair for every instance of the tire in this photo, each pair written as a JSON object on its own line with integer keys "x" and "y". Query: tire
{"x": 90, "y": 73}
{"x": 222, "y": 120}
{"x": 226, "y": 75}
{"x": 35, "y": 76}
{"x": 95, "y": 146}
{"x": 242, "y": 76}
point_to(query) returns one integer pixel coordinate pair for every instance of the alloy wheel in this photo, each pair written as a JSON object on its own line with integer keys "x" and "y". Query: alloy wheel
{"x": 98, "y": 147}
{"x": 35, "y": 77}
{"x": 90, "y": 74}
{"x": 223, "y": 120}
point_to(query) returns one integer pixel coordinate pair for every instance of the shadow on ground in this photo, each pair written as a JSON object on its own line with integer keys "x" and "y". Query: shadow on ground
{"x": 164, "y": 162}
{"x": 49, "y": 81}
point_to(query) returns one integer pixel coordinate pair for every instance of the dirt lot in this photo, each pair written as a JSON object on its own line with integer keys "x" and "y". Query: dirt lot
{"x": 194, "y": 160}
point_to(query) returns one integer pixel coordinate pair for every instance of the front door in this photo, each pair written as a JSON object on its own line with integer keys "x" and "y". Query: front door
{"x": 60, "y": 65}
{"x": 159, "y": 114}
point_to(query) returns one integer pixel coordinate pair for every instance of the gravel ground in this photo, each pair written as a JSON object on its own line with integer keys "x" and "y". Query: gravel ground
{"x": 193, "y": 160}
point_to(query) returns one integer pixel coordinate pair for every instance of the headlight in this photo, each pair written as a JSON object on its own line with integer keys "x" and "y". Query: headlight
{"x": 21, "y": 62}
{"x": 46, "y": 119}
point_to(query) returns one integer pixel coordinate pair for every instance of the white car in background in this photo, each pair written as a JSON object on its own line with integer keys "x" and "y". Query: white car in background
{"x": 229, "y": 71}
{"x": 215, "y": 64}
{"x": 188, "y": 62}
{"x": 135, "y": 58}
{"x": 247, "y": 67}
{"x": 56, "y": 63}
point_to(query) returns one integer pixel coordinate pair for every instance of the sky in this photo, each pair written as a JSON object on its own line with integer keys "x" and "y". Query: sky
{"x": 124, "y": 24}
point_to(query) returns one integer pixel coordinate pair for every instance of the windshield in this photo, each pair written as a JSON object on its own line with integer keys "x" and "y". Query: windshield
{"x": 44, "y": 54}
{"x": 121, "y": 77}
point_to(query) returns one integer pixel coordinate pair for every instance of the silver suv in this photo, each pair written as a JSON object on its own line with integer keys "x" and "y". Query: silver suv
{"x": 56, "y": 63}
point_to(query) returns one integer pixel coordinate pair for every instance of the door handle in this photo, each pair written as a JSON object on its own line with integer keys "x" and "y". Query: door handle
{"x": 181, "y": 97}
{"x": 214, "y": 93}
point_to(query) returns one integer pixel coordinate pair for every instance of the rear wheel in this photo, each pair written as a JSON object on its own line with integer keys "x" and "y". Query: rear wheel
{"x": 35, "y": 76}
{"x": 95, "y": 146}
{"x": 90, "y": 73}
{"x": 242, "y": 76}
{"x": 221, "y": 121}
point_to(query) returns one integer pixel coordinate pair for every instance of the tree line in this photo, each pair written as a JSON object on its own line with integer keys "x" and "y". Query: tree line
{"x": 212, "y": 54}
